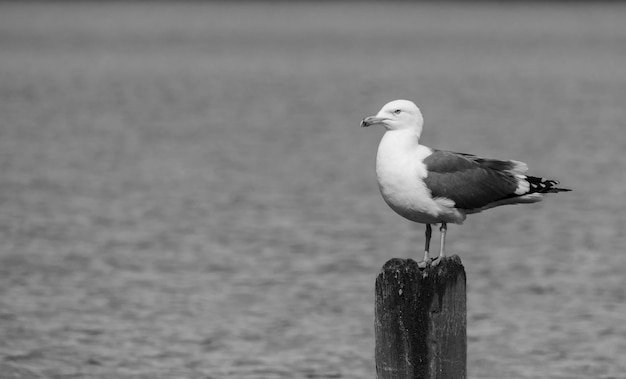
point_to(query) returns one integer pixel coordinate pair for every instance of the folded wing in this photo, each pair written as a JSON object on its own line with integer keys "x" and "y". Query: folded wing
{"x": 476, "y": 183}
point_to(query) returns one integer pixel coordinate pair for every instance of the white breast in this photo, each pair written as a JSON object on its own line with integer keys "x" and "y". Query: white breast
{"x": 400, "y": 171}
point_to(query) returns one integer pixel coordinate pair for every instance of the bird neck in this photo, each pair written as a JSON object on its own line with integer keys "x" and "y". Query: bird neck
{"x": 396, "y": 149}
{"x": 402, "y": 138}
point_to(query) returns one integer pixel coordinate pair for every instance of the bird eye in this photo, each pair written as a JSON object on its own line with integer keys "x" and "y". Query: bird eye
{"x": 397, "y": 111}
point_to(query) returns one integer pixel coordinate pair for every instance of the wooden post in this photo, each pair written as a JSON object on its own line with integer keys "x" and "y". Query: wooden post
{"x": 421, "y": 320}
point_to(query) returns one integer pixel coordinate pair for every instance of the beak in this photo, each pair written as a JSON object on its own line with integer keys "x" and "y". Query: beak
{"x": 372, "y": 120}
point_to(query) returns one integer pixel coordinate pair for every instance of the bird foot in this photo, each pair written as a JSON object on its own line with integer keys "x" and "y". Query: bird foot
{"x": 435, "y": 262}
{"x": 432, "y": 262}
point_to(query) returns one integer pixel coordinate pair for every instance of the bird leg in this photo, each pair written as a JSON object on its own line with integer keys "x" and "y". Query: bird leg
{"x": 429, "y": 232}
{"x": 442, "y": 229}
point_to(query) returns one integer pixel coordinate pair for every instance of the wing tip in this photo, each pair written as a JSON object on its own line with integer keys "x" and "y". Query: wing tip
{"x": 543, "y": 185}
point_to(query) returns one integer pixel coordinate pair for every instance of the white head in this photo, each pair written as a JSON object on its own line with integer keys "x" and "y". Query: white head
{"x": 396, "y": 115}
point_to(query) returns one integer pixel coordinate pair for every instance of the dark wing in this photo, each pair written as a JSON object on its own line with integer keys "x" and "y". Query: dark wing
{"x": 470, "y": 181}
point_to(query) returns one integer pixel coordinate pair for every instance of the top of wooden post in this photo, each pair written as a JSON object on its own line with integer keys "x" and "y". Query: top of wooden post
{"x": 448, "y": 268}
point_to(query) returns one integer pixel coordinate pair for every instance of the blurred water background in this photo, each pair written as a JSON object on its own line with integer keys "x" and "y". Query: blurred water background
{"x": 185, "y": 191}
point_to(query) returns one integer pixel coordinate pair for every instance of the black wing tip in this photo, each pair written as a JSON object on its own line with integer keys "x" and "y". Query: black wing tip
{"x": 542, "y": 185}
{"x": 556, "y": 189}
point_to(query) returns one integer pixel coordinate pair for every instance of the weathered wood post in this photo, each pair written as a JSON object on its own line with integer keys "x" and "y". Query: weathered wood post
{"x": 421, "y": 320}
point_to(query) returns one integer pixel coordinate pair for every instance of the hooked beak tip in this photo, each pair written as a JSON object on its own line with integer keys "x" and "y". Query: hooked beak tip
{"x": 371, "y": 120}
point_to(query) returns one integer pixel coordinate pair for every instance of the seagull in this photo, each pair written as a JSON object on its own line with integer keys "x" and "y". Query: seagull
{"x": 431, "y": 186}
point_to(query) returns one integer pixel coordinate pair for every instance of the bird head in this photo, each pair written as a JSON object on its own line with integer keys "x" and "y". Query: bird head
{"x": 396, "y": 115}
